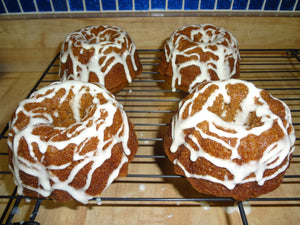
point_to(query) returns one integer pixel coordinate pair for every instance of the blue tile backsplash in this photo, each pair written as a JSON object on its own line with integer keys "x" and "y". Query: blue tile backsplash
{"x": 175, "y": 4}
{"x": 92, "y": 5}
{"x": 141, "y": 5}
{"x": 225, "y": 4}
{"x": 256, "y": 4}
{"x": 240, "y": 5}
{"x": 59, "y": 5}
{"x": 2, "y": 10}
{"x": 272, "y": 4}
{"x": 75, "y": 5}
{"x": 109, "y": 5}
{"x": 125, "y": 4}
{"x": 287, "y": 5}
{"x": 12, "y": 7}
{"x": 207, "y": 4}
{"x": 44, "y": 5}
{"x": 191, "y": 5}
{"x": 27, "y": 6}
{"x": 158, "y": 5}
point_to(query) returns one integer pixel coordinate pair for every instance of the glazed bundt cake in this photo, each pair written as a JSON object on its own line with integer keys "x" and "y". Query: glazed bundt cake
{"x": 231, "y": 139}
{"x": 198, "y": 53}
{"x": 104, "y": 54}
{"x": 69, "y": 140}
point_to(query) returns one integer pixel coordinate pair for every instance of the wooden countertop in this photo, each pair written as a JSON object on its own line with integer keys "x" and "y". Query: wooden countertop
{"x": 150, "y": 126}
{"x": 27, "y": 45}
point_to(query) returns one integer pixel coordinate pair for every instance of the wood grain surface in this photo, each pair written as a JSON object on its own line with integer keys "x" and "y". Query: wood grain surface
{"x": 27, "y": 45}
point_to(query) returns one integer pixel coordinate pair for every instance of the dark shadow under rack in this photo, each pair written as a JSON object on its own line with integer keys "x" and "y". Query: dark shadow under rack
{"x": 253, "y": 61}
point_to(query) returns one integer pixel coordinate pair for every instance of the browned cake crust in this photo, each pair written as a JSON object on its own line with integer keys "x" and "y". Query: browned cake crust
{"x": 104, "y": 54}
{"x": 69, "y": 140}
{"x": 197, "y": 53}
{"x": 223, "y": 154}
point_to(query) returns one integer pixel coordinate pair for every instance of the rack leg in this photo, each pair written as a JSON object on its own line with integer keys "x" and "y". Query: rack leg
{"x": 242, "y": 212}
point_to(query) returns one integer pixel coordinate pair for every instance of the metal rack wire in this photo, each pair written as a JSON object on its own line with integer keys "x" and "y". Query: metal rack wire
{"x": 276, "y": 70}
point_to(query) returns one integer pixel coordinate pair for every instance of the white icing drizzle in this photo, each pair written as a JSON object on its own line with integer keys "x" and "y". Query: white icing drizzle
{"x": 205, "y": 205}
{"x": 98, "y": 201}
{"x": 220, "y": 66}
{"x": 235, "y": 208}
{"x": 273, "y": 156}
{"x": 81, "y": 135}
{"x": 100, "y": 42}
{"x": 142, "y": 187}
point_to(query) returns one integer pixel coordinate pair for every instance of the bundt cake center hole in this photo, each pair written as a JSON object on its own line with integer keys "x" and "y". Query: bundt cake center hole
{"x": 253, "y": 121}
{"x": 74, "y": 112}
{"x": 67, "y": 117}
{"x": 64, "y": 118}
{"x": 97, "y": 39}
{"x": 248, "y": 120}
{"x": 239, "y": 117}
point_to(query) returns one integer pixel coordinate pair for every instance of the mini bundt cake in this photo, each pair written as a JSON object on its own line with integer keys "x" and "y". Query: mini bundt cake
{"x": 198, "y": 53}
{"x": 231, "y": 139}
{"x": 69, "y": 140}
{"x": 104, "y": 54}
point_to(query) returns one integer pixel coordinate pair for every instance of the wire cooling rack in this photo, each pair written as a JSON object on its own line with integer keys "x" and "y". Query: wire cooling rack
{"x": 149, "y": 103}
